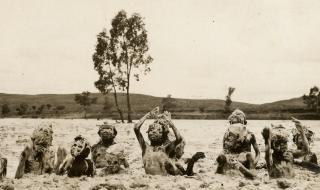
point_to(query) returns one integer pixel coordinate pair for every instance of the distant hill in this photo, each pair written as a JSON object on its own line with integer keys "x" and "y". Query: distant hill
{"x": 294, "y": 103}
{"x": 185, "y": 108}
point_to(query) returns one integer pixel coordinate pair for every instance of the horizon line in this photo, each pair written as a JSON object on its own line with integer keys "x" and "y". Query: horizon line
{"x": 149, "y": 95}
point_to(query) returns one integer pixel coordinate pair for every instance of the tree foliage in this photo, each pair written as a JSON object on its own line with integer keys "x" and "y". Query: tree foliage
{"x": 125, "y": 50}
{"x": 22, "y": 109}
{"x": 129, "y": 40}
{"x": 85, "y": 101}
{"x": 129, "y": 44}
{"x": 312, "y": 100}
{"x": 202, "y": 108}
{"x": 106, "y": 66}
{"x": 168, "y": 103}
{"x": 228, "y": 100}
{"x": 49, "y": 106}
{"x": 40, "y": 109}
{"x": 5, "y": 109}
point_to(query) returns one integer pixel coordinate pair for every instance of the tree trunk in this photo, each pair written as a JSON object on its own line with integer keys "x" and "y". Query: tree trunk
{"x": 117, "y": 105}
{"x": 128, "y": 64}
{"x": 317, "y": 106}
{"x": 85, "y": 112}
{"x": 129, "y": 105}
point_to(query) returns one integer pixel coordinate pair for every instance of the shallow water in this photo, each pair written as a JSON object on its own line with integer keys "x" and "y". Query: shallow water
{"x": 200, "y": 135}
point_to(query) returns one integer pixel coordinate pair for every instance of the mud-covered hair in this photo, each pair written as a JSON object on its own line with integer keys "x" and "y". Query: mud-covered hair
{"x": 279, "y": 134}
{"x": 237, "y": 116}
{"x": 106, "y": 126}
{"x": 165, "y": 129}
{"x": 43, "y": 135}
{"x": 86, "y": 146}
{"x": 309, "y": 134}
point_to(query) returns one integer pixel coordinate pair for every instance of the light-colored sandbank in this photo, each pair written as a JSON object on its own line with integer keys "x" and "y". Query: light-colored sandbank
{"x": 201, "y": 135}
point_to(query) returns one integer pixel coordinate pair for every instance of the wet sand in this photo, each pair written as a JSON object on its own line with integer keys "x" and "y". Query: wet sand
{"x": 200, "y": 135}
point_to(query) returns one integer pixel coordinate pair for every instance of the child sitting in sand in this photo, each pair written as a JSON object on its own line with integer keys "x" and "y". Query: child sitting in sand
{"x": 76, "y": 164}
{"x": 279, "y": 162}
{"x": 38, "y": 156}
{"x": 237, "y": 142}
{"x": 160, "y": 157}
{"x": 307, "y": 156}
{"x": 106, "y": 154}
{"x": 303, "y": 156}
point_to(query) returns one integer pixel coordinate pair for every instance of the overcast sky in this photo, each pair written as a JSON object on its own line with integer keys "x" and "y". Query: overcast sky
{"x": 268, "y": 50}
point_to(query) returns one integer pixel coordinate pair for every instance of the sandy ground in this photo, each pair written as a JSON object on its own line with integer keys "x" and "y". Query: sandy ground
{"x": 201, "y": 135}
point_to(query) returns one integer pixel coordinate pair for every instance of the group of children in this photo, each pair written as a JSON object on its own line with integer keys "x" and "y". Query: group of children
{"x": 39, "y": 157}
{"x": 279, "y": 158}
{"x": 162, "y": 156}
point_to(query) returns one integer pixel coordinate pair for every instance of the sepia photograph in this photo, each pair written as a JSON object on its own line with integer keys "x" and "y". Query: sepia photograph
{"x": 167, "y": 94}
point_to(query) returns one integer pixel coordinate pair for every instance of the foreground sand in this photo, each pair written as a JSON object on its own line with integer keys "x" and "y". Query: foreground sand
{"x": 202, "y": 135}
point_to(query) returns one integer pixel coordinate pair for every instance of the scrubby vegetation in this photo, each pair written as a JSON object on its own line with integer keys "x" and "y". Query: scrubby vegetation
{"x": 64, "y": 106}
